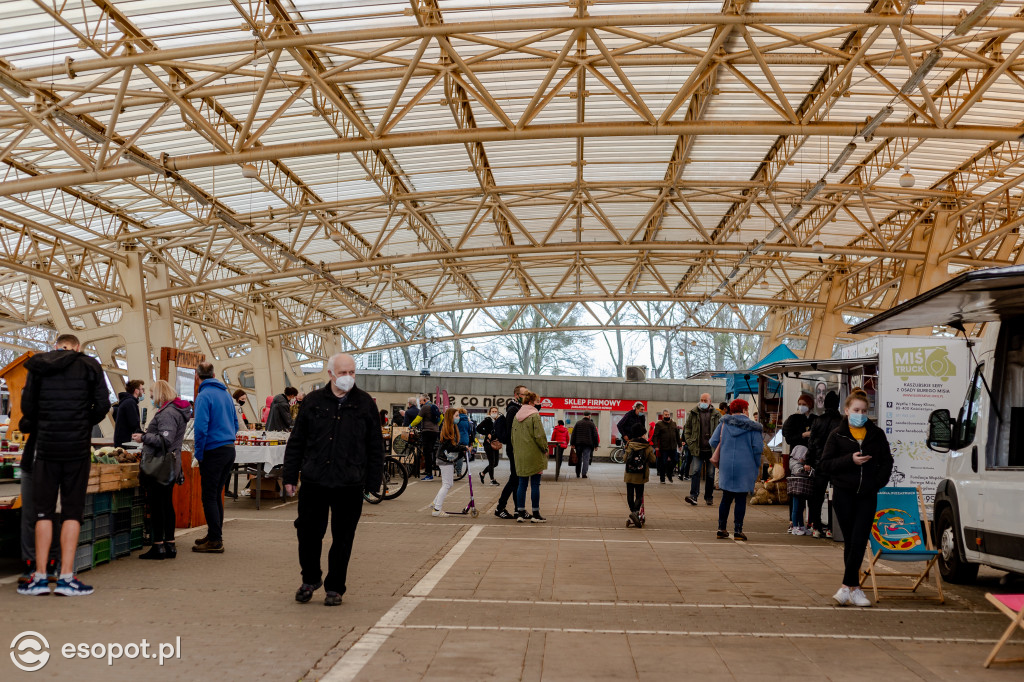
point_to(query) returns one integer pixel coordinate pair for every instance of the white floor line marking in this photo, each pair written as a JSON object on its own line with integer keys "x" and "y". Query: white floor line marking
{"x": 698, "y": 605}
{"x": 719, "y": 543}
{"x": 696, "y": 633}
{"x": 284, "y": 504}
{"x": 450, "y": 492}
{"x": 356, "y": 658}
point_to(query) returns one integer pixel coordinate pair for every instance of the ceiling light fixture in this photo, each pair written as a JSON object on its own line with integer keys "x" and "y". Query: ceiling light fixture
{"x": 813, "y": 191}
{"x": 250, "y": 171}
{"x": 976, "y": 15}
{"x": 918, "y": 76}
{"x": 792, "y": 213}
{"x": 231, "y": 220}
{"x": 844, "y": 155}
{"x": 907, "y": 179}
{"x": 872, "y": 125}
{"x": 193, "y": 191}
{"x": 140, "y": 160}
{"x": 79, "y": 125}
{"x": 818, "y": 246}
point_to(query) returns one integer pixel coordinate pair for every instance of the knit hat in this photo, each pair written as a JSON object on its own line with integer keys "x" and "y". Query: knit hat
{"x": 832, "y": 400}
{"x": 638, "y": 431}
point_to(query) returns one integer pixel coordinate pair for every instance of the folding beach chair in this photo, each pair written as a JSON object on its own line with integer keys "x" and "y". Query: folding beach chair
{"x": 898, "y": 534}
{"x": 1013, "y": 606}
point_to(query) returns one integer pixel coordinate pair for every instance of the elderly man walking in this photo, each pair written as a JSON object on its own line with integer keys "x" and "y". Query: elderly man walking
{"x": 666, "y": 440}
{"x": 338, "y": 448}
{"x": 700, "y": 425}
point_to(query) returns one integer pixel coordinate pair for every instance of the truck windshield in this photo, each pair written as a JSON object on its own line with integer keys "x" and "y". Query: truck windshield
{"x": 1008, "y": 390}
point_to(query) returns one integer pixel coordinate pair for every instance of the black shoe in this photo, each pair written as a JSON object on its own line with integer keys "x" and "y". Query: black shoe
{"x": 723, "y": 535}
{"x": 170, "y": 550}
{"x": 522, "y": 516}
{"x": 493, "y": 482}
{"x": 481, "y": 478}
{"x": 584, "y": 475}
{"x": 155, "y": 553}
{"x": 691, "y": 500}
{"x": 634, "y": 520}
{"x": 503, "y": 514}
{"x": 305, "y": 592}
{"x": 332, "y": 599}
{"x": 709, "y": 501}
{"x": 537, "y": 518}
{"x": 738, "y": 535}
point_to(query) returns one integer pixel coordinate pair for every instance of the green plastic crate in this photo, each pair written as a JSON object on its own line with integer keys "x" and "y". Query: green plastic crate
{"x": 138, "y": 516}
{"x": 135, "y": 539}
{"x": 101, "y": 551}
{"x": 122, "y": 499}
{"x": 122, "y": 544}
{"x": 102, "y": 503}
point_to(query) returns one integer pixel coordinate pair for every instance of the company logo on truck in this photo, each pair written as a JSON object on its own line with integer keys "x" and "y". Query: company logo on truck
{"x": 922, "y": 361}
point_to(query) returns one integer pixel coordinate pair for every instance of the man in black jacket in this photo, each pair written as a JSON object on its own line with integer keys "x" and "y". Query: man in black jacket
{"x": 505, "y": 436}
{"x": 629, "y": 420}
{"x": 338, "y": 447}
{"x": 126, "y": 420}
{"x": 280, "y": 416}
{"x": 823, "y": 426}
{"x": 584, "y": 438}
{"x": 65, "y": 395}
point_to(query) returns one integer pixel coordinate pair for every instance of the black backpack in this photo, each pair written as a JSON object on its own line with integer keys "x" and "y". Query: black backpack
{"x": 636, "y": 460}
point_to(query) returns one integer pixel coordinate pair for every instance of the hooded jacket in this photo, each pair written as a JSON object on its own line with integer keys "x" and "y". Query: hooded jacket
{"x": 691, "y": 428}
{"x": 265, "y": 412}
{"x": 628, "y": 421}
{"x": 336, "y": 443}
{"x": 584, "y": 434}
{"x": 216, "y": 422}
{"x": 837, "y": 459}
{"x": 280, "y": 417}
{"x": 126, "y": 420}
{"x": 560, "y": 435}
{"x": 465, "y": 428}
{"x": 795, "y": 426}
{"x": 64, "y": 397}
{"x": 649, "y": 459}
{"x": 740, "y": 457}
{"x": 168, "y": 424}
{"x": 529, "y": 442}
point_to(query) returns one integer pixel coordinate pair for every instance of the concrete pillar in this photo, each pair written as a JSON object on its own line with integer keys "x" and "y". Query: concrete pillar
{"x": 161, "y": 321}
{"x": 267, "y": 359}
{"x": 134, "y": 325}
{"x": 827, "y": 323}
{"x": 933, "y": 239}
{"x": 776, "y": 328}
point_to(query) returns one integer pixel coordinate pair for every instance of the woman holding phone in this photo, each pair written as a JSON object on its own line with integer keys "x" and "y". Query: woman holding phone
{"x": 858, "y": 462}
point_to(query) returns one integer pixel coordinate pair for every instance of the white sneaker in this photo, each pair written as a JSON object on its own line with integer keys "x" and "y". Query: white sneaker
{"x": 842, "y": 596}
{"x": 797, "y": 530}
{"x": 439, "y": 514}
{"x": 858, "y": 598}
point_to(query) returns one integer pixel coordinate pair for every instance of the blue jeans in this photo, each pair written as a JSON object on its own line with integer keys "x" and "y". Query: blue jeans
{"x": 534, "y": 483}
{"x": 796, "y": 509}
{"x": 583, "y": 455}
{"x": 704, "y": 471}
{"x": 684, "y": 467}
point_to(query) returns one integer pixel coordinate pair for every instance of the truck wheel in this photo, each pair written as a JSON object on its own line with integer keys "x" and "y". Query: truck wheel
{"x": 951, "y": 566}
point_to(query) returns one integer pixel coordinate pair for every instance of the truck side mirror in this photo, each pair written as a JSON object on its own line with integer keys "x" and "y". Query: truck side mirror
{"x": 940, "y": 431}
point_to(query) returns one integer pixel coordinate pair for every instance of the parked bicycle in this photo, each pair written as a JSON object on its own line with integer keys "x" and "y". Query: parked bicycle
{"x": 393, "y": 483}
{"x": 618, "y": 454}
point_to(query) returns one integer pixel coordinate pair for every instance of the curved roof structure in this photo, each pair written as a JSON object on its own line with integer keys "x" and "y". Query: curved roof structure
{"x": 379, "y": 163}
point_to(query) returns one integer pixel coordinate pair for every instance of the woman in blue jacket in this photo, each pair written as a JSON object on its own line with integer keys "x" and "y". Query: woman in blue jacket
{"x": 465, "y": 428}
{"x": 739, "y": 460}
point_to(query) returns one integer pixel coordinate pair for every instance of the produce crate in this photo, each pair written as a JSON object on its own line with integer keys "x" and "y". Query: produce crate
{"x": 85, "y": 534}
{"x": 122, "y": 521}
{"x": 122, "y": 499}
{"x": 83, "y": 558}
{"x": 101, "y": 552}
{"x": 102, "y": 503}
{"x": 138, "y": 516}
{"x": 129, "y": 476}
{"x": 122, "y": 544}
{"x": 135, "y": 539}
{"x": 87, "y": 511}
{"x": 102, "y": 526}
{"x": 104, "y": 477}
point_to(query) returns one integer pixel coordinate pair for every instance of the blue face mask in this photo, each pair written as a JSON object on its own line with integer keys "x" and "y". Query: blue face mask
{"x": 858, "y": 420}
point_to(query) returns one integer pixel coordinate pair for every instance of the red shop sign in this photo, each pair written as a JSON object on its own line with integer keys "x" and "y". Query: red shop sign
{"x": 595, "y": 404}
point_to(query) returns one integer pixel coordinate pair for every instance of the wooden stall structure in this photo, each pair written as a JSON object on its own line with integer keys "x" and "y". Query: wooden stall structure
{"x": 188, "y": 505}
{"x": 15, "y": 375}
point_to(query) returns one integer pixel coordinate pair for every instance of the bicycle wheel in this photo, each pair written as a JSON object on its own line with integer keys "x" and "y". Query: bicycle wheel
{"x": 461, "y": 467}
{"x": 618, "y": 455}
{"x": 372, "y": 498}
{"x": 396, "y": 478}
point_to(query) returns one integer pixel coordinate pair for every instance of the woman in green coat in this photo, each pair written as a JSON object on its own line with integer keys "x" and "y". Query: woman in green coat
{"x": 530, "y": 444}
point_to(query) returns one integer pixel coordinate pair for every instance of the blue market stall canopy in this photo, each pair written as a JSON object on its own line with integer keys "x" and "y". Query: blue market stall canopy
{"x": 738, "y": 384}
{"x": 779, "y": 353}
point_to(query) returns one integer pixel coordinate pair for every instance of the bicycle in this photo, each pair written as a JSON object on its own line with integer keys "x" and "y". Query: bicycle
{"x": 618, "y": 454}
{"x": 394, "y": 480}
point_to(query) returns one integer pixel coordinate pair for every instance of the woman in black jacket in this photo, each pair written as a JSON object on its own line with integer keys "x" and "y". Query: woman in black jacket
{"x": 797, "y": 427}
{"x": 858, "y": 461}
{"x": 492, "y": 446}
{"x": 822, "y": 427}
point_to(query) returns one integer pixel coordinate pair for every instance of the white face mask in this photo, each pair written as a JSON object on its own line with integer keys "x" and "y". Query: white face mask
{"x": 803, "y": 409}
{"x": 345, "y": 382}
{"x": 704, "y": 406}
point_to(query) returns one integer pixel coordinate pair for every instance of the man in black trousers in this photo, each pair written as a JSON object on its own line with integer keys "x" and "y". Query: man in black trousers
{"x": 505, "y": 436}
{"x": 338, "y": 447}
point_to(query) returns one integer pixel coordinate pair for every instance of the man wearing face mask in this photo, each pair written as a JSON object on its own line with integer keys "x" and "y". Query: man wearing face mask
{"x": 338, "y": 447}
{"x": 797, "y": 427}
{"x": 701, "y": 422}
{"x": 127, "y": 422}
{"x": 280, "y": 416}
{"x": 666, "y": 440}
{"x": 631, "y": 419}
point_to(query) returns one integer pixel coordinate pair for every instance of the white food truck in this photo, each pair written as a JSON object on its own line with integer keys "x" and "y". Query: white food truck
{"x": 979, "y": 503}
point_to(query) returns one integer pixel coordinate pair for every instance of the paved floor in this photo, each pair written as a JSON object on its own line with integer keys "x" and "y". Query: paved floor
{"x": 579, "y": 598}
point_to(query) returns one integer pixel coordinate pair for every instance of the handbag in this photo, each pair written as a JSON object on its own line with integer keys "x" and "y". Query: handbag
{"x": 573, "y": 457}
{"x": 156, "y": 462}
{"x": 717, "y": 456}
